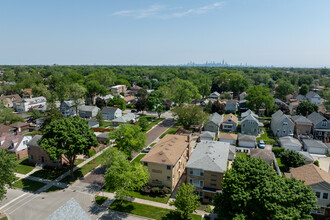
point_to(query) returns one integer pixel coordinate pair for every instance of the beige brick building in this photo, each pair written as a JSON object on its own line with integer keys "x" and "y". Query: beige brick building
{"x": 167, "y": 160}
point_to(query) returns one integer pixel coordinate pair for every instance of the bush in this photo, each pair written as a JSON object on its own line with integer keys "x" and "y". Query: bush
{"x": 155, "y": 191}
{"x": 208, "y": 209}
{"x": 130, "y": 106}
{"x": 291, "y": 158}
{"x": 277, "y": 151}
{"x": 316, "y": 163}
{"x": 91, "y": 153}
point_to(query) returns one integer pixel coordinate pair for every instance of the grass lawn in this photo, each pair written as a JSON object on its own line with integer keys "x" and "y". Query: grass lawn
{"x": 282, "y": 167}
{"x": 49, "y": 174}
{"x": 100, "y": 199}
{"x": 24, "y": 166}
{"x": 138, "y": 158}
{"x": 29, "y": 185}
{"x": 78, "y": 161}
{"x": 146, "y": 210}
{"x": 146, "y": 197}
{"x": 53, "y": 189}
{"x": 267, "y": 137}
{"x": 106, "y": 124}
{"x": 241, "y": 154}
{"x": 4, "y": 218}
{"x": 82, "y": 171}
{"x": 153, "y": 120}
{"x": 171, "y": 130}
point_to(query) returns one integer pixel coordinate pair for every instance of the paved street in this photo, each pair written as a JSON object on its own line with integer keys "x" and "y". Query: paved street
{"x": 154, "y": 133}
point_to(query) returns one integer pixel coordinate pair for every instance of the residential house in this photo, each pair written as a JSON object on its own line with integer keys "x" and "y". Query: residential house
{"x": 266, "y": 155}
{"x": 118, "y": 89}
{"x": 8, "y": 100}
{"x": 248, "y": 141}
{"x": 213, "y": 123}
{"x": 68, "y": 108}
{"x": 242, "y": 95}
{"x": 37, "y": 155}
{"x": 228, "y": 137}
{"x": 321, "y": 127}
{"x": 206, "y": 167}
{"x": 27, "y": 93}
{"x": 92, "y": 100}
{"x": 229, "y": 123}
{"x": 290, "y": 143}
{"x": 249, "y": 112}
{"x": 4, "y": 129}
{"x": 293, "y": 107}
{"x": 313, "y": 97}
{"x": 128, "y": 118}
{"x": 134, "y": 89}
{"x": 301, "y": 98}
{"x": 319, "y": 181}
{"x": 207, "y": 136}
{"x": 315, "y": 146}
{"x": 20, "y": 126}
{"x": 281, "y": 124}
{"x": 308, "y": 158}
{"x": 16, "y": 144}
{"x": 110, "y": 113}
{"x": 87, "y": 111}
{"x": 131, "y": 99}
{"x": 251, "y": 125}
{"x": 231, "y": 106}
{"x": 103, "y": 137}
{"x": 93, "y": 123}
{"x": 242, "y": 105}
{"x": 167, "y": 160}
{"x": 25, "y": 117}
{"x": 214, "y": 96}
{"x": 26, "y": 104}
{"x": 303, "y": 126}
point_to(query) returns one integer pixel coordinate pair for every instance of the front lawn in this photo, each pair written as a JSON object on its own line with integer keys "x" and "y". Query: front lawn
{"x": 146, "y": 210}
{"x": 267, "y": 136}
{"x": 100, "y": 199}
{"x": 138, "y": 158}
{"x": 152, "y": 120}
{"x": 171, "y": 130}
{"x": 24, "y": 166}
{"x": 136, "y": 194}
{"x": 49, "y": 174}
{"x": 28, "y": 185}
{"x": 241, "y": 154}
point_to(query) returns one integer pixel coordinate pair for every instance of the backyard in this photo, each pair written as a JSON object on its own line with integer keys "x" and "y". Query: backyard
{"x": 267, "y": 136}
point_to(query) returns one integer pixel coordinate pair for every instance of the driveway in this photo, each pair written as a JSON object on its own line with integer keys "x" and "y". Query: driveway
{"x": 154, "y": 133}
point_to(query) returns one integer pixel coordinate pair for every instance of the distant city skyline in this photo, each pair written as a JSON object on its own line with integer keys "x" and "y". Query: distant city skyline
{"x": 276, "y": 33}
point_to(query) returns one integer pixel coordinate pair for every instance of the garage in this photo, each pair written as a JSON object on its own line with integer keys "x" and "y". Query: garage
{"x": 248, "y": 141}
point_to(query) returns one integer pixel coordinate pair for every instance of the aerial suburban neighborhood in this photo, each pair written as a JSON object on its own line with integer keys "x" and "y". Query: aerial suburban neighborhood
{"x": 165, "y": 110}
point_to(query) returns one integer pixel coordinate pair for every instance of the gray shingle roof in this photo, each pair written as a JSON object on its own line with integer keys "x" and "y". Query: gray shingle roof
{"x": 210, "y": 156}
{"x": 207, "y": 134}
{"x": 263, "y": 154}
{"x": 215, "y": 118}
{"x": 289, "y": 141}
{"x": 245, "y": 137}
{"x": 34, "y": 141}
{"x": 88, "y": 108}
{"x": 314, "y": 143}
{"x": 109, "y": 110}
{"x": 299, "y": 119}
{"x": 126, "y": 118}
{"x": 316, "y": 117}
{"x": 312, "y": 94}
{"x": 71, "y": 210}
{"x": 249, "y": 112}
{"x": 306, "y": 156}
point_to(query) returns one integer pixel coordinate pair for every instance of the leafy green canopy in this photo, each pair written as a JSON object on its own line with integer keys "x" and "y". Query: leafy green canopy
{"x": 188, "y": 115}
{"x": 8, "y": 164}
{"x": 252, "y": 190}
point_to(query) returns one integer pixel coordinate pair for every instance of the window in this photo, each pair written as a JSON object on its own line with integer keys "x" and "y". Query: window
{"x": 145, "y": 164}
{"x": 168, "y": 167}
{"x": 213, "y": 175}
{"x": 318, "y": 194}
{"x": 168, "y": 178}
{"x": 278, "y": 130}
{"x": 324, "y": 123}
{"x": 325, "y": 195}
{"x": 196, "y": 183}
{"x": 285, "y": 123}
{"x": 31, "y": 156}
{"x": 196, "y": 172}
{"x": 213, "y": 180}
{"x": 213, "y": 184}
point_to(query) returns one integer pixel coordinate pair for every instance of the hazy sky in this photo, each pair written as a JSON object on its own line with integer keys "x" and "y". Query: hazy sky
{"x": 257, "y": 32}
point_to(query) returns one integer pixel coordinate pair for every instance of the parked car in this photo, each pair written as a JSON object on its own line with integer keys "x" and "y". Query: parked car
{"x": 133, "y": 110}
{"x": 147, "y": 149}
{"x": 261, "y": 144}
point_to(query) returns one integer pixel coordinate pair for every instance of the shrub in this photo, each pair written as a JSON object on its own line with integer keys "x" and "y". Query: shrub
{"x": 91, "y": 153}
{"x": 316, "y": 163}
{"x": 277, "y": 150}
{"x": 208, "y": 209}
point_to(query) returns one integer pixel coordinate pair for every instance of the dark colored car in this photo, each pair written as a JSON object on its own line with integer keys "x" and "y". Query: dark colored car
{"x": 133, "y": 110}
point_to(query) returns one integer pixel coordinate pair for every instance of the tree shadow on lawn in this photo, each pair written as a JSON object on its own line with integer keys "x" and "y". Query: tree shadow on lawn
{"x": 173, "y": 215}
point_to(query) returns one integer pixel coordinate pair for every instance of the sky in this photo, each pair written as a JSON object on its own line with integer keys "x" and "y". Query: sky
{"x": 292, "y": 33}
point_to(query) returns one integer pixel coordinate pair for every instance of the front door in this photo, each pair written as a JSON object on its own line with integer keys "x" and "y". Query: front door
{"x": 42, "y": 160}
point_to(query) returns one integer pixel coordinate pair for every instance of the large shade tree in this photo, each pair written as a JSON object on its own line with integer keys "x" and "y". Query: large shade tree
{"x": 188, "y": 115}
{"x": 259, "y": 97}
{"x": 7, "y": 176}
{"x": 305, "y": 108}
{"x": 68, "y": 137}
{"x": 252, "y": 190}
{"x": 182, "y": 91}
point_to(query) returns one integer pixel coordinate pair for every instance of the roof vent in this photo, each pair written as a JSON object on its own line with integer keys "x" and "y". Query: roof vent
{"x": 163, "y": 161}
{"x": 160, "y": 153}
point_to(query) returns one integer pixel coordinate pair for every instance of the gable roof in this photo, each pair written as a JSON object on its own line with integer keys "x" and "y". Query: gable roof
{"x": 299, "y": 119}
{"x": 210, "y": 156}
{"x": 314, "y": 143}
{"x": 70, "y": 210}
{"x": 249, "y": 112}
{"x": 215, "y": 118}
{"x": 126, "y": 118}
{"x": 228, "y": 136}
{"x": 309, "y": 173}
{"x": 5, "y": 129}
{"x": 289, "y": 141}
{"x": 306, "y": 156}
{"x": 316, "y": 117}
{"x": 168, "y": 150}
{"x": 109, "y": 110}
{"x": 207, "y": 134}
{"x": 88, "y": 108}
{"x": 301, "y": 98}
{"x": 232, "y": 117}
{"x": 15, "y": 97}
{"x": 19, "y": 124}
{"x": 312, "y": 94}
{"x": 34, "y": 141}
{"x": 250, "y": 118}
{"x": 278, "y": 117}
{"x": 214, "y": 94}
{"x": 8, "y": 139}
{"x": 245, "y": 137}
{"x": 263, "y": 154}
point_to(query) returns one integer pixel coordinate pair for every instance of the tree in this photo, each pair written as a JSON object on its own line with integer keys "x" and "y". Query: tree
{"x": 225, "y": 95}
{"x": 143, "y": 123}
{"x": 190, "y": 115}
{"x": 141, "y": 103}
{"x": 305, "y": 108}
{"x": 259, "y": 97}
{"x": 95, "y": 88}
{"x": 304, "y": 89}
{"x": 159, "y": 109}
{"x": 218, "y": 107}
{"x": 121, "y": 175}
{"x": 40, "y": 90}
{"x": 76, "y": 92}
{"x": 52, "y": 114}
{"x": 68, "y": 137}
{"x": 7, "y": 115}
{"x": 99, "y": 118}
{"x": 186, "y": 201}
{"x": 182, "y": 91}
{"x": 327, "y": 100}
{"x": 118, "y": 102}
{"x": 291, "y": 158}
{"x": 252, "y": 190}
{"x": 283, "y": 89}
{"x": 7, "y": 176}
{"x": 36, "y": 114}
{"x": 100, "y": 103}
{"x": 129, "y": 138}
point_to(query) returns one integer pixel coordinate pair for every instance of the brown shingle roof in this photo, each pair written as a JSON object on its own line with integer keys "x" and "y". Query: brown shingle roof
{"x": 168, "y": 150}
{"x": 19, "y": 124}
{"x": 309, "y": 173}
{"x": 228, "y": 136}
{"x": 232, "y": 117}
{"x": 5, "y": 129}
